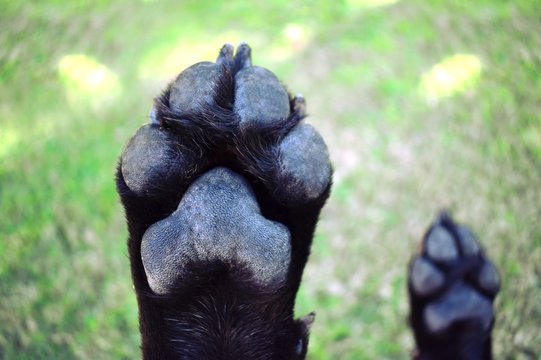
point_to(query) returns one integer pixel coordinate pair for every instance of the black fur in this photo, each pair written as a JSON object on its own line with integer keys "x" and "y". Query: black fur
{"x": 219, "y": 312}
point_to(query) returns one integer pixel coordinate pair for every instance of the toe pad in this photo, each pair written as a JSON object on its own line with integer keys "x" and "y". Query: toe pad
{"x": 150, "y": 162}
{"x": 304, "y": 170}
{"x": 259, "y": 97}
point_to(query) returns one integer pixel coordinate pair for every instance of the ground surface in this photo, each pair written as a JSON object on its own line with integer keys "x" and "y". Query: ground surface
{"x": 423, "y": 104}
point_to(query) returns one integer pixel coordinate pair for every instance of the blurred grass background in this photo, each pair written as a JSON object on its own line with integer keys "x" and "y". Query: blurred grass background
{"x": 424, "y": 105}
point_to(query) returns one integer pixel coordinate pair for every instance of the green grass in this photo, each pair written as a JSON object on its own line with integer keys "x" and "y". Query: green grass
{"x": 400, "y": 152}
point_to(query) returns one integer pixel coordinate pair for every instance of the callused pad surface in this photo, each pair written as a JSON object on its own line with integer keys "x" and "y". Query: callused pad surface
{"x": 217, "y": 219}
{"x": 149, "y": 161}
{"x": 195, "y": 87}
{"x": 304, "y": 169}
{"x": 462, "y": 303}
{"x": 259, "y": 96}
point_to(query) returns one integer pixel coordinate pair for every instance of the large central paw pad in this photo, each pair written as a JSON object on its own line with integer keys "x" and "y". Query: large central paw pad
{"x": 452, "y": 284}
{"x": 217, "y": 219}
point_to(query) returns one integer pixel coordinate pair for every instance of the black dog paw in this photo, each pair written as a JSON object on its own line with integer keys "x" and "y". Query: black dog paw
{"x": 222, "y": 192}
{"x": 452, "y": 286}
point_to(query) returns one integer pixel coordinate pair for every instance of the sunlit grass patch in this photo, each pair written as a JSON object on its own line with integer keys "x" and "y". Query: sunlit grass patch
{"x": 9, "y": 138}
{"x": 177, "y": 52}
{"x": 453, "y": 75}
{"x": 86, "y": 80}
{"x": 369, "y": 3}
{"x": 295, "y": 37}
